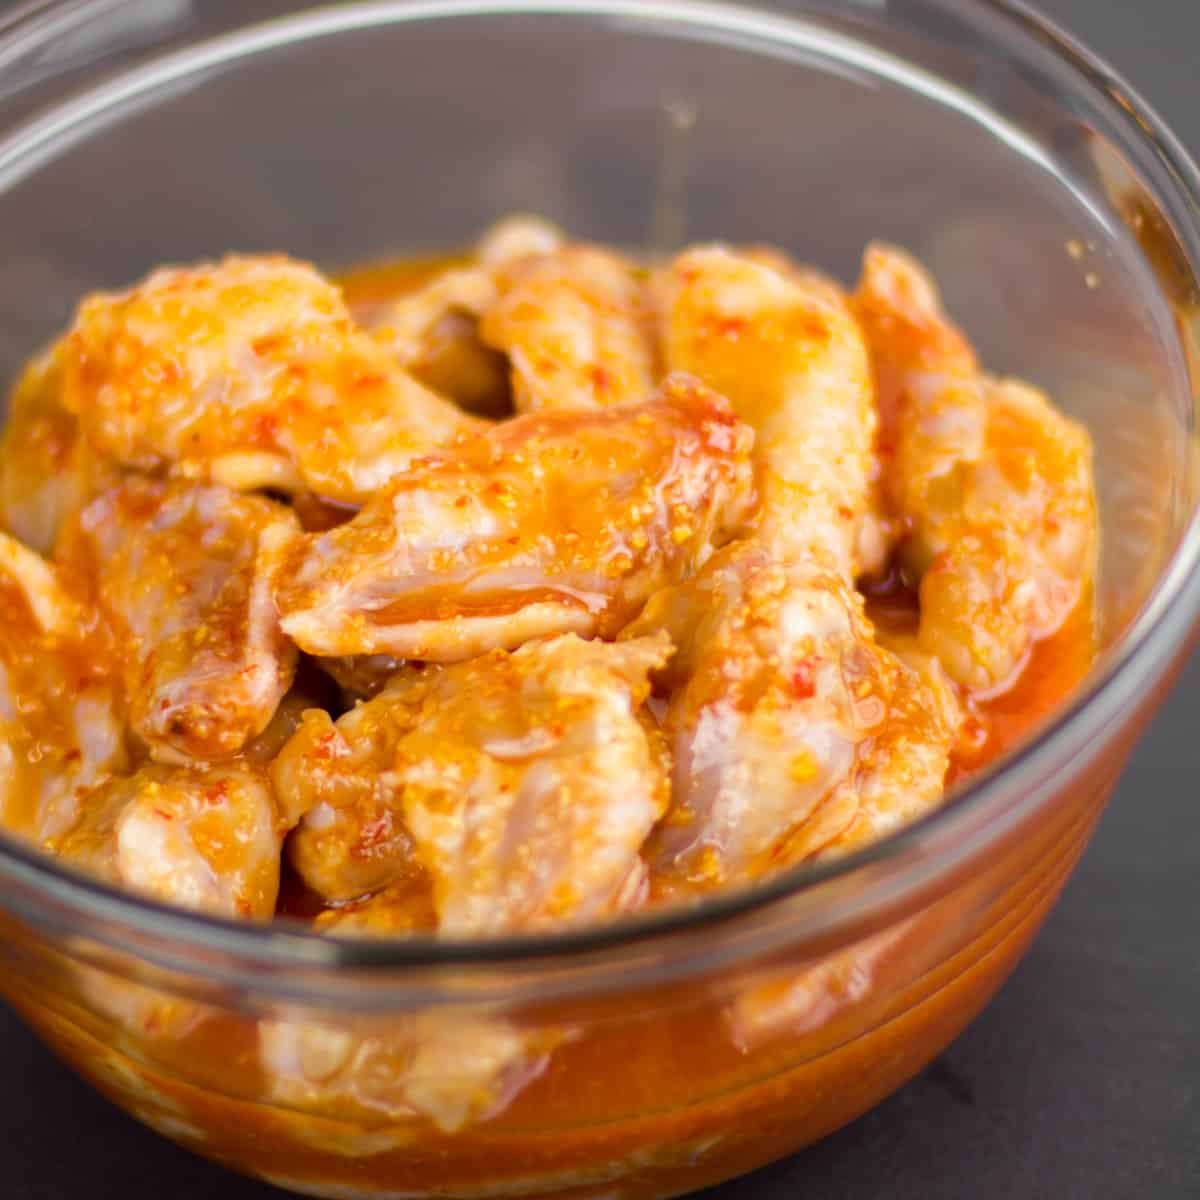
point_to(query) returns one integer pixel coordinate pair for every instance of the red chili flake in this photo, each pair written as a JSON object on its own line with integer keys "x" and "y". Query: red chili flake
{"x": 975, "y": 733}
{"x": 265, "y": 429}
{"x": 369, "y": 379}
{"x": 324, "y": 747}
{"x": 804, "y": 679}
{"x": 217, "y": 794}
{"x": 375, "y": 832}
{"x": 810, "y": 327}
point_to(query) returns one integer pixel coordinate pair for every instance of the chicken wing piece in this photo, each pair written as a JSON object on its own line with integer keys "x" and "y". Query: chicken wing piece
{"x": 47, "y": 469}
{"x": 899, "y": 773}
{"x": 521, "y": 786}
{"x": 468, "y": 287}
{"x": 175, "y": 567}
{"x": 450, "y": 1068}
{"x": 529, "y": 784}
{"x": 250, "y": 373}
{"x": 932, "y": 409}
{"x": 785, "y": 350}
{"x": 575, "y": 326}
{"x": 823, "y": 999}
{"x": 878, "y": 533}
{"x": 1021, "y": 553}
{"x": 60, "y": 730}
{"x": 995, "y": 483}
{"x": 782, "y": 692}
{"x": 434, "y": 334}
{"x": 334, "y": 780}
{"x": 407, "y": 325}
{"x": 550, "y": 523}
{"x": 517, "y": 236}
{"x": 433, "y": 330}
{"x": 898, "y": 776}
{"x": 782, "y": 697}
{"x": 205, "y": 838}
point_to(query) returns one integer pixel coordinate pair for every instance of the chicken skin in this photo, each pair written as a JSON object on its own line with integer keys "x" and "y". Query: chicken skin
{"x": 176, "y": 569}
{"x": 554, "y": 522}
{"x": 250, "y": 373}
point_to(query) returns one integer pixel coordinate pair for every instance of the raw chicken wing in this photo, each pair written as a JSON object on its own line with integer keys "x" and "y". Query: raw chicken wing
{"x": 175, "y": 566}
{"x": 782, "y": 695}
{"x": 334, "y": 779}
{"x": 550, "y": 523}
{"x": 60, "y": 728}
{"x": 529, "y": 784}
{"x": 47, "y": 469}
{"x": 787, "y": 354}
{"x": 521, "y": 785}
{"x": 574, "y": 326}
{"x": 995, "y": 483}
{"x": 251, "y": 373}
{"x": 783, "y": 705}
{"x": 205, "y": 838}
{"x": 433, "y": 330}
{"x": 451, "y": 1068}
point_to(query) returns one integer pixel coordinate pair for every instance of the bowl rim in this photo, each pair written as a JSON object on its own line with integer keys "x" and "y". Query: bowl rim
{"x": 47, "y": 892}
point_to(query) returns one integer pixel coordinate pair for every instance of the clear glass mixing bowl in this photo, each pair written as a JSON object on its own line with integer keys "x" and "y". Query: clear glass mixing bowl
{"x": 674, "y": 1050}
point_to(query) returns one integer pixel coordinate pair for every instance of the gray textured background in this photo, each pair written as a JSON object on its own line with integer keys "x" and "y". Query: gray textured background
{"x": 1081, "y": 1080}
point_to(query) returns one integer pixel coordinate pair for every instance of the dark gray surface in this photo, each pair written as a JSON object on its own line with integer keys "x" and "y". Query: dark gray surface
{"x": 1082, "y": 1079}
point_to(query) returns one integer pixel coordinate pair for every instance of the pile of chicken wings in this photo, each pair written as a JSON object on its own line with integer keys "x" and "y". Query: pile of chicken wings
{"x": 565, "y": 624}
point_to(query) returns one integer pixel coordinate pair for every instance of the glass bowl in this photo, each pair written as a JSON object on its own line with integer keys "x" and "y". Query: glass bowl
{"x": 646, "y": 1058}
